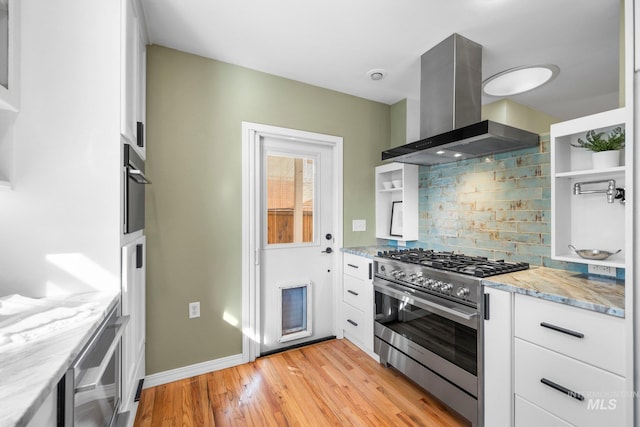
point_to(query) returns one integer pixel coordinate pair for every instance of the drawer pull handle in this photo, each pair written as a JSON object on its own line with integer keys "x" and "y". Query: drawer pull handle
{"x": 561, "y": 389}
{"x": 352, "y": 292}
{"x": 563, "y": 330}
{"x": 352, "y": 265}
{"x": 352, "y": 322}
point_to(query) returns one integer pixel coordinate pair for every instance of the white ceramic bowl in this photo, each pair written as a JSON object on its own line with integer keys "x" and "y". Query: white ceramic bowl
{"x": 386, "y": 185}
{"x": 397, "y": 183}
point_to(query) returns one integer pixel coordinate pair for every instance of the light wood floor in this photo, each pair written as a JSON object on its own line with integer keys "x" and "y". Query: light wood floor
{"x": 327, "y": 384}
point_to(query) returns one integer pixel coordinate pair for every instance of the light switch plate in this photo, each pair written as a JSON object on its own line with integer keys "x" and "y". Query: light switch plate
{"x": 194, "y": 309}
{"x": 359, "y": 225}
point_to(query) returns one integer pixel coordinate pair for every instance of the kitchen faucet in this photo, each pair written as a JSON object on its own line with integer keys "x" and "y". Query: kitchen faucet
{"x": 612, "y": 192}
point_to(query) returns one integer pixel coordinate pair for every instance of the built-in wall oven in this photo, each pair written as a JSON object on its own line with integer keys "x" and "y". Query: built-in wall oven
{"x": 133, "y": 191}
{"x": 89, "y": 393}
{"x": 428, "y": 322}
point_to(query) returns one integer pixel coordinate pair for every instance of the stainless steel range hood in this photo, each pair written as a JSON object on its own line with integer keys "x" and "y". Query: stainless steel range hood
{"x": 450, "y": 95}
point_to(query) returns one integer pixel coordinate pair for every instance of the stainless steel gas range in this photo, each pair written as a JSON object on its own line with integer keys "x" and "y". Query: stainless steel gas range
{"x": 428, "y": 321}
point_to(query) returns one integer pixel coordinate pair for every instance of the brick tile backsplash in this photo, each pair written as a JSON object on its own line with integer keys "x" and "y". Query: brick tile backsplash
{"x": 498, "y": 207}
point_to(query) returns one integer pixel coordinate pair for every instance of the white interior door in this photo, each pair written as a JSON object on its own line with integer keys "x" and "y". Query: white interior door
{"x": 297, "y": 247}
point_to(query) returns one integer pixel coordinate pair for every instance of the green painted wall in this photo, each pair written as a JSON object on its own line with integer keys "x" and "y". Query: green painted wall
{"x": 517, "y": 115}
{"x": 195, "y": 107}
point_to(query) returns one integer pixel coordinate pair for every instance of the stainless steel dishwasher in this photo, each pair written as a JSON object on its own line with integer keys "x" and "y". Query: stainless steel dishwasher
{"x": 90, "y": 390}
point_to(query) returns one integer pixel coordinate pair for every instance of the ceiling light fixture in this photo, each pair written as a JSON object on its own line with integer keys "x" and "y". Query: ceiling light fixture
{"x": 377, "y": 74}
{"x": 519, "y": 79}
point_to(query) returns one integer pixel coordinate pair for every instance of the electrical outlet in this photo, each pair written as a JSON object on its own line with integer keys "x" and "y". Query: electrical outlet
{"x": 194, "y": 309}
{"x": 359, "y": 225}
{"x": 602, "y": 270}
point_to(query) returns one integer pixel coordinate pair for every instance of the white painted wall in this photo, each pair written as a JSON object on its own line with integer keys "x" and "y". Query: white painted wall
{"x": 59, "y": 226}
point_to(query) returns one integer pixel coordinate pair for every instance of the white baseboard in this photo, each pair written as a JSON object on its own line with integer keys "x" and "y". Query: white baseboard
{"x": 192, "y": 370}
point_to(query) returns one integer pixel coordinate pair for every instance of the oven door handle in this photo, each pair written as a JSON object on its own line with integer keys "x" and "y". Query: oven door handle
{"x": 93, "y": 375}
{"x": 138, "y": 176}
{"x": 448, "y": 312}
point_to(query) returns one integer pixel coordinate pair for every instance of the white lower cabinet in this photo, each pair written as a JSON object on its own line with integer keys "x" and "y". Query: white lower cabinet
{"x": 551, "y": 364}
{"x": 572, "y": 390}
{"x": 498, "y": 337}
{"x": 530, "y": 415}
{"x": 133, "y": 305}
{"x": 585, "y": 335}
{"x": 355, "y": 327}
{"x": 568, "y": 363}
{"x": 357, "y": 301}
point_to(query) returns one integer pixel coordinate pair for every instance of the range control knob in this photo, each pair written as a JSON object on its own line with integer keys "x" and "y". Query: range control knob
{"x": 435, "y": 285}
{"x": 446, "y": 287}
{"x": 412, "y": 277}
{"x": 462, "y": 292}
{"x": 401, "y": 274}
{"x": 421, "y": 281}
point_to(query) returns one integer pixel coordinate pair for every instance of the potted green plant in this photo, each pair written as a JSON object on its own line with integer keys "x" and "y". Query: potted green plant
{"x": 606, "y": 149}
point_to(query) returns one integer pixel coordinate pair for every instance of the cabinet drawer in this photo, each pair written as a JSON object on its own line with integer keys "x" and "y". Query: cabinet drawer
{"x": 358, "y": 293}
{"x": 530, "y": 415}
{"x": 357, "y": 325}
{"x": 358, "y": 266}
{"x": 585, "y": 335}
{"x": 568, "y": 380}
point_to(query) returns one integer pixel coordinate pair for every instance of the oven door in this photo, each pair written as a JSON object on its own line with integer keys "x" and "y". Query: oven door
{"x": 438, "y": 333}
{"x": 134, "y": 189}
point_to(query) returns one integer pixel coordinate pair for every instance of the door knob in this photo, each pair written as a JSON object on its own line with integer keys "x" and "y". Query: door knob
{"x": 327, "y": 251}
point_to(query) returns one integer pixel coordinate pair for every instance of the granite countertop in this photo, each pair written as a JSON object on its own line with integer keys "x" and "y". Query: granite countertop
{"x": 39, "y": 340}
{"x": 369, "y": 251}
{"x": 595, "y": 293}
{"x": 566, "y": 287}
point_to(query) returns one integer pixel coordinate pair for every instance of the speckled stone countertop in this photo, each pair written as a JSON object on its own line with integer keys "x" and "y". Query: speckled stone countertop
{"x": 36, "y": 352}
{"x": 369, "y": 251}
{"x": 566, "y": 287}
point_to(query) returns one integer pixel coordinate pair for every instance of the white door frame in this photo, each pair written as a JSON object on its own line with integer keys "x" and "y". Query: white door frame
{"x": 251, "y": 228}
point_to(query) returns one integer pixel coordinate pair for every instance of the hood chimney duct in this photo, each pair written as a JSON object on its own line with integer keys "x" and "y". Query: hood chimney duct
{"x": 450, "y": 86}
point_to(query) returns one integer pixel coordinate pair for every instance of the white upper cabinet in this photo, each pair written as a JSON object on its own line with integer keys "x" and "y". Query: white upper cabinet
{"x": 9, "y": 55}
{"x": 134, "y": 57}
{"x": 397, "y": 202}
{"x": 9, "y": 84}
{"x": 586, "y": 208}
{"x": 141, "y": 91}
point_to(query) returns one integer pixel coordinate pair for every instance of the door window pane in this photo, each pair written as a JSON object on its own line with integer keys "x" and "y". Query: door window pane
{"x": 290, "y": 184}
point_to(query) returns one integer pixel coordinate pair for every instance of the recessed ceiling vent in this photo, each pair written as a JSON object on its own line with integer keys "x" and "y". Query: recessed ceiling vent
{"x": 450, "y": 110}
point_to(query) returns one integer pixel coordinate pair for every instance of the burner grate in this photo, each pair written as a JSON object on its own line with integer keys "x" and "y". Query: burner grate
{"x": 458, "y": 263}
